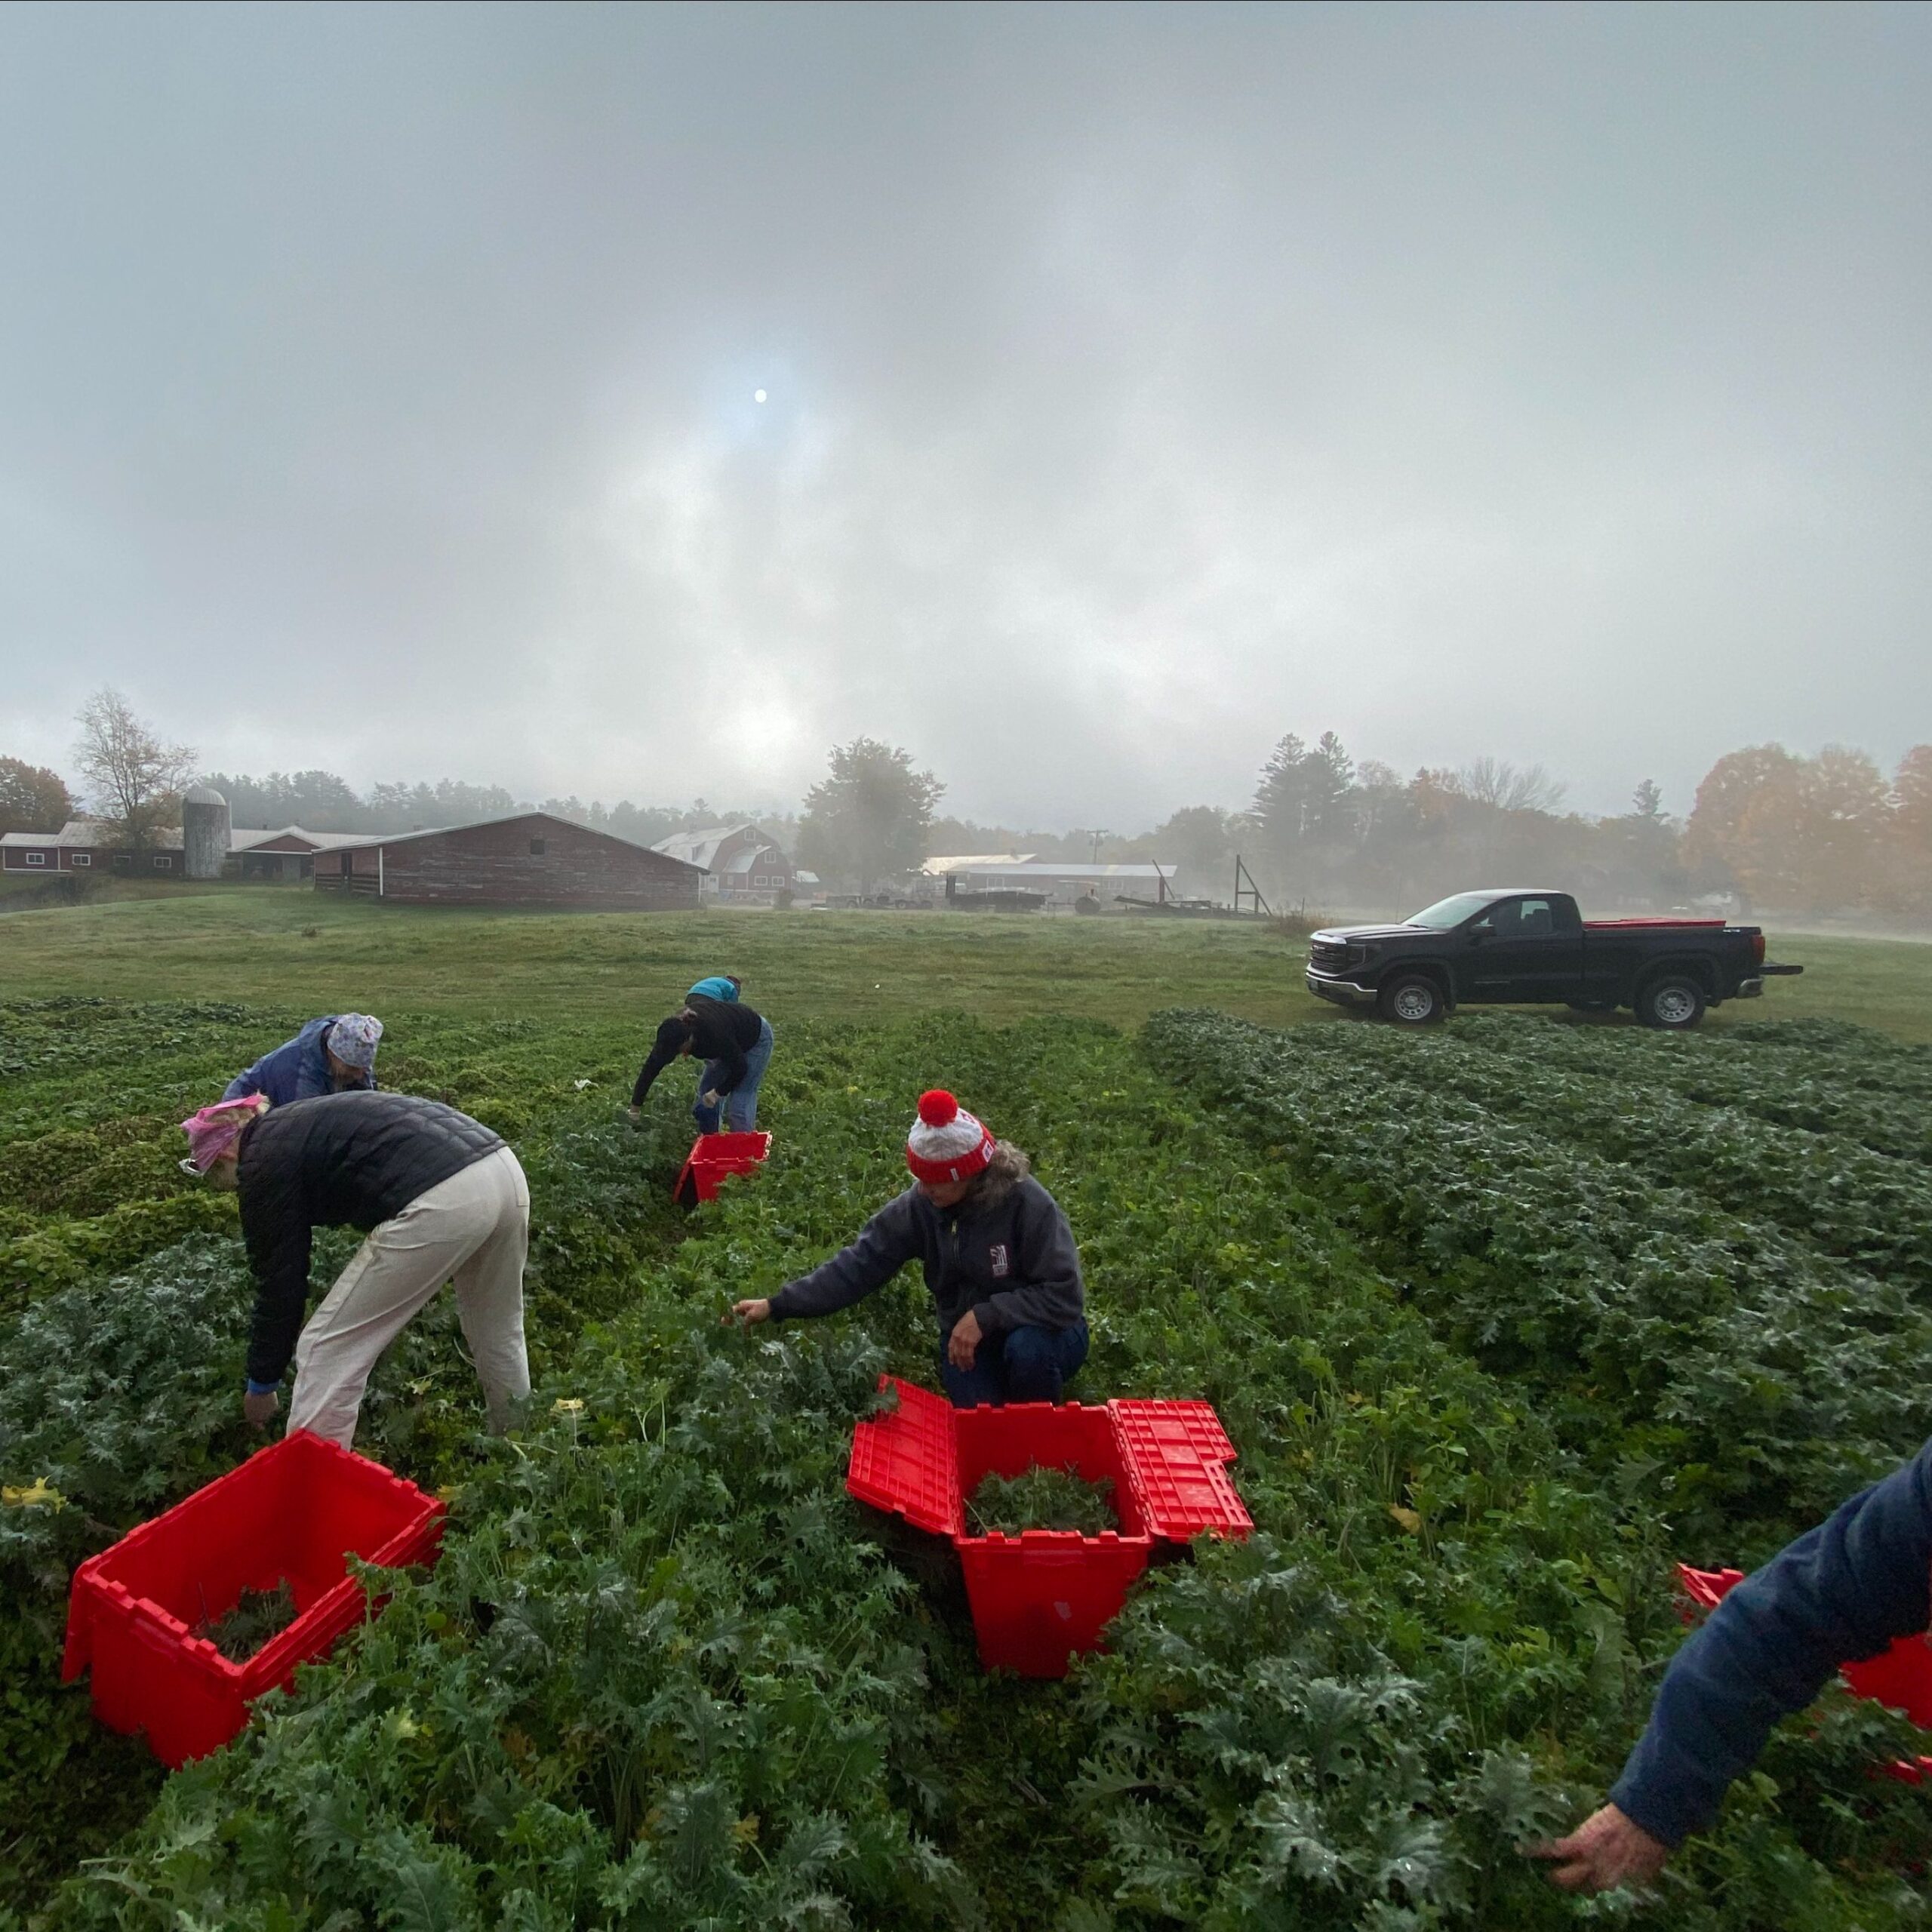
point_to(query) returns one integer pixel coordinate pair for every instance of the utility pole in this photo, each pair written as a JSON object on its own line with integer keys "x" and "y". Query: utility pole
{"x": 1098, "y": 837}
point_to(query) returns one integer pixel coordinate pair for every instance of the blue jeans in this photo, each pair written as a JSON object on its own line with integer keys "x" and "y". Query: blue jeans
{"x": 740, "y": 1105}
{"x": 1022, "y": 1365}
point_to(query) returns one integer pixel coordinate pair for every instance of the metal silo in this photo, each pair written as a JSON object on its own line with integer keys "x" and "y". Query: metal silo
{"x": 204, "y": 832}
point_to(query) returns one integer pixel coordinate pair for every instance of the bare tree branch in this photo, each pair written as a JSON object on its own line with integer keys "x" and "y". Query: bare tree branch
{"x": 135, "y": 780}
{"x": 1509, "y": 788}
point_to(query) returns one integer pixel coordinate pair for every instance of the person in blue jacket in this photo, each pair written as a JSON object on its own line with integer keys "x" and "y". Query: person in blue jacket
{"x": 336, "y": 1054}
{"x": 1843, "y": 1592}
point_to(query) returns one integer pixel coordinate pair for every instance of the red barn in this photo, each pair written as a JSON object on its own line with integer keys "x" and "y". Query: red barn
{"x": 528, "y": 859}
{"x": 289, "y": 853}
{"x": 740, "y": 865}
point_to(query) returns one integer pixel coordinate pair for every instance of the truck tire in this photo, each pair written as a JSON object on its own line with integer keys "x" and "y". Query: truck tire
{"x": 1674, "y": 1001}
{"x": 1414, "y": 1000}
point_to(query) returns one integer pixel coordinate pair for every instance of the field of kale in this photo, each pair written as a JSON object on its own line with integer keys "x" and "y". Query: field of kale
{"x": 1502, "y": 1320}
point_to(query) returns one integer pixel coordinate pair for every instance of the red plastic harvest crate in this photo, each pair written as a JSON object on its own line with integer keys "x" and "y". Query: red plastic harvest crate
{"x": 297, "y": 1510}
{"x": 712, "y": 1157}
{"x": 1900, "y": 1678}
{"x": 1040, "y": 1596}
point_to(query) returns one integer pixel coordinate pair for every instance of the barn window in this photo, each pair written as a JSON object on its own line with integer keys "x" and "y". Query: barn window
{"x": 36, "y": 858}
{"x": 536, "y": 848}
{"x": 162, "y": 863}
{"x": 81, "y": 859}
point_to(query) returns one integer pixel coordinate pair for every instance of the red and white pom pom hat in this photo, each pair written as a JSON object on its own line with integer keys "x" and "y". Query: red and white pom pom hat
{"x": 946, "y": 1142}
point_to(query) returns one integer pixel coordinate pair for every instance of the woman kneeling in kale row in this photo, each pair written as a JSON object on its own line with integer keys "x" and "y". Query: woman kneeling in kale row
{"x": 998, "y": 1258}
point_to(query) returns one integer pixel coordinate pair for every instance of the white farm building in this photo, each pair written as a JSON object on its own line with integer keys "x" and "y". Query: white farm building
{"x": 1063, "y": 880}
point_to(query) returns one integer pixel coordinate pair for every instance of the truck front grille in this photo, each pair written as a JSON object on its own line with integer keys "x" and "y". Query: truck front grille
{"x": 1325, "y": 955}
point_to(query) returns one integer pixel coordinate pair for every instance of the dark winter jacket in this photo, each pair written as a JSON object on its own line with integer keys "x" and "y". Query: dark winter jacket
{"x": 298, "y": 1069}
{"x": 1012, "y": 1262}
{"x": 353, "y": 1159}
{"x": 720, "y": 1033}
{"x": 1842, "y": 1592}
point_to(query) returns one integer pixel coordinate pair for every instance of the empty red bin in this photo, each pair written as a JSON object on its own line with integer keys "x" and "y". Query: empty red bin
{"x": 1039, "y": 1597}
{"x": 1900, "y": 1678}
{"x": 297, "y": 1510}
{"x": 713, "y": 1157}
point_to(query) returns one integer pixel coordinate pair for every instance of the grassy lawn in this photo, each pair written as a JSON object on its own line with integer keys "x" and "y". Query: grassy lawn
{"x": 291, "y": 947}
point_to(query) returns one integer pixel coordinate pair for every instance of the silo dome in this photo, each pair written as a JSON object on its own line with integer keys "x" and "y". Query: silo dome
{"x": 204, "y": 832}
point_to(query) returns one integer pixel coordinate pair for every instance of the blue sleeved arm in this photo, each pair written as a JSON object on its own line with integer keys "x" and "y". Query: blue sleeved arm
{"x": 1841, "y": 1593}
{"x": 296, "y": 1070}
{"x": 885, "y": 1244}
{"x": 255, "y": 1081}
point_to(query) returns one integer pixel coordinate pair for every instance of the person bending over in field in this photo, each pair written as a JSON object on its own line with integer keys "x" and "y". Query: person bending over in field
{"x": 997, "y": 1254}
{"x": 735, "y": 1044}
{"x": 334, "y": 1055}
{"x": 1842, "y": 1592}
{"x": 440, "y": 1199}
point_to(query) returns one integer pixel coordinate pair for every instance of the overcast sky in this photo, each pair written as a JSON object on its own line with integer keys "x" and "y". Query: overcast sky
{"x": 377, "y": 390}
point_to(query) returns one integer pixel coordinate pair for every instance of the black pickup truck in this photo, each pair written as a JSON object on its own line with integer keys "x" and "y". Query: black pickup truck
{"x": 1522, "y": 947}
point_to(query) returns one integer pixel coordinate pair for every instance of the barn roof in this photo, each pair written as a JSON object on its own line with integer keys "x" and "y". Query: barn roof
{"x": 954, "y": 862}
{"x": 747, "y": 861}
{"x": 89, "y": 834}
{"x": 699, "y": 846}
{"x": 365, "y": 842}
{"x": 246, "y": 838}
{"x": 1044, "y": 868}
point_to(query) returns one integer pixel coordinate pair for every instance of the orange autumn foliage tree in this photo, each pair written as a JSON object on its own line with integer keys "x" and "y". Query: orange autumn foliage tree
{"x": 1825, "y": 834}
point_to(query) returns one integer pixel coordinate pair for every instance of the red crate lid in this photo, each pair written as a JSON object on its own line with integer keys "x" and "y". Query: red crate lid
{"x": 1176, "y": 1454}
{"x": 1707, "y": 1588}
{"x": 905, "y": 1462}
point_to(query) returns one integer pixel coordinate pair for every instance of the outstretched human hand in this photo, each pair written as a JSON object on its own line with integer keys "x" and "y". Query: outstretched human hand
{"x": 746, "y": 1313}
{"x": 1608, "y": 1849}
{"x": 636, "y": 1114}
{"x": 962, "y": 1345}
{"x": 261, "y": 1410}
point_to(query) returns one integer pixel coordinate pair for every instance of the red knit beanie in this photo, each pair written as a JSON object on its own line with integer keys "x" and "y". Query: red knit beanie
{"x": 946, "y": 1142}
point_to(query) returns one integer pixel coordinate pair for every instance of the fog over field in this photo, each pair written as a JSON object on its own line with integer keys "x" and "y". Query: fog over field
{"x": 379, "y": 391}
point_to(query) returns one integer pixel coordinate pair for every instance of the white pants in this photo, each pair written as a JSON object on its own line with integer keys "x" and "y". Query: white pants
{"x": 474, "y": 1229}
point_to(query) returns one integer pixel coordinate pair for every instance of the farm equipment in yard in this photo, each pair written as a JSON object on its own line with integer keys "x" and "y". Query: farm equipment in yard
{"x": 293, "y": 1513}
{"x": 714, "y": 1158}
{"x": 1900, "y": 1678}
{"x": 1039, "y": 1597}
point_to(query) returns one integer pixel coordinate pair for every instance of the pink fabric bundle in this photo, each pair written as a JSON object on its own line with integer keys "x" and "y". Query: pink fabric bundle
{"x": 214, "y": 1131}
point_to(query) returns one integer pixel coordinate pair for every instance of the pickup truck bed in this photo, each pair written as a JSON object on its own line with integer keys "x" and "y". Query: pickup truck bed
{"x": 1521, "y": 946}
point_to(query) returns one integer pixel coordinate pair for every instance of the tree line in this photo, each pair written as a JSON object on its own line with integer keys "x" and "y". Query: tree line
{"x": 1770, "y": 830}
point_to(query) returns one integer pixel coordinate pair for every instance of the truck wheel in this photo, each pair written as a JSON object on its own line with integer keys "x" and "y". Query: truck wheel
{"x": 1413, "y": 1001}
{"x": 1674, "y": 1002}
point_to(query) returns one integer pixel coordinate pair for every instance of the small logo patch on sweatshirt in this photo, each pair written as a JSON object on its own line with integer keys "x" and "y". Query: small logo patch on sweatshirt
{"x": 1000, "y": 1269}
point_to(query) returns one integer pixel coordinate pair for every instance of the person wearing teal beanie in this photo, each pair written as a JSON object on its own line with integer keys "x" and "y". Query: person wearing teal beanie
{"x": 720, "y": 985}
